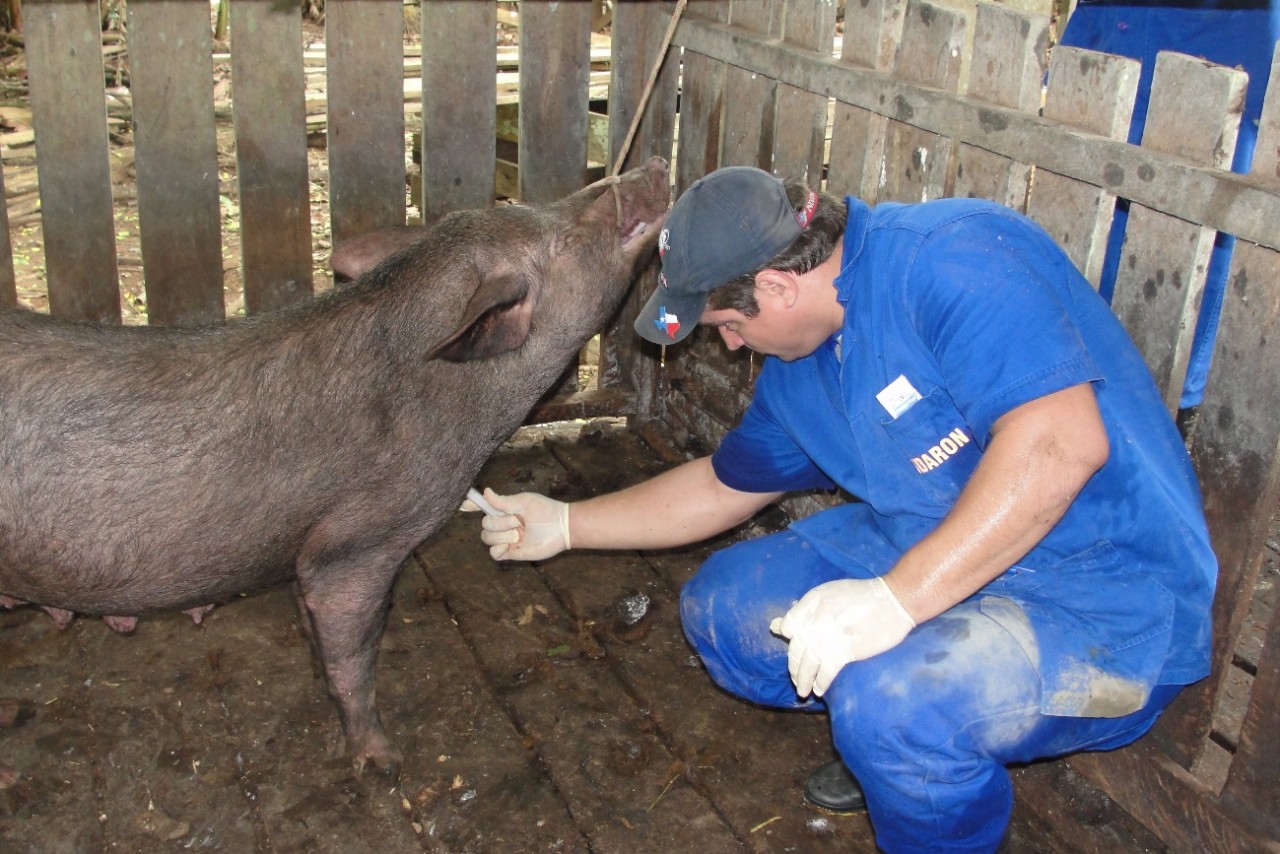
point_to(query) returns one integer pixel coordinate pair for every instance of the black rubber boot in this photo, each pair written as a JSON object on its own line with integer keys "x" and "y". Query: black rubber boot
{"x": 832, "y": 788}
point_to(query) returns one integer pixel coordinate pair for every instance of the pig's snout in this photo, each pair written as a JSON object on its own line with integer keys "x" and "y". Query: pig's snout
{"x": 643, "y": 195}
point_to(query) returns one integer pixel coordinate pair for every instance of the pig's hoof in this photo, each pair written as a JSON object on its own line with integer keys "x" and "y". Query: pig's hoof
{"x": 7, "y": 777}
{"x": 15, "y": 712}
{"x": 387, "y": 760}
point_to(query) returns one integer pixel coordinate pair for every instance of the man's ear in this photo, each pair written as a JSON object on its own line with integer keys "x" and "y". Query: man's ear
{"x": 775, "y": 285}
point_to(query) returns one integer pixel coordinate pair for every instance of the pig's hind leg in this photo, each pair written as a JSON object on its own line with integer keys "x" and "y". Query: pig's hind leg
{"x": 345, "y": 604}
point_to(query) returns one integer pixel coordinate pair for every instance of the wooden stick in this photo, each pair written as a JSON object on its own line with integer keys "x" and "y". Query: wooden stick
{"x": 648, "y": 88}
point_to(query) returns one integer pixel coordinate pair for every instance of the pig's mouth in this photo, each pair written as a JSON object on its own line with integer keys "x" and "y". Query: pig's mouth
{"x": 636, "y": 231}
{"x": 640, "y": 201}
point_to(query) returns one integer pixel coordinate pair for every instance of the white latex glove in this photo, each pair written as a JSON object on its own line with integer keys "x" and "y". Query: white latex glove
{"x": 838, "y": 622}
{"x": 532, "y": 527}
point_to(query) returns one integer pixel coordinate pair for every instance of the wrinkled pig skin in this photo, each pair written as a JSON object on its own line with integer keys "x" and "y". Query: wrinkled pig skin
{"x": 150, "y": 468}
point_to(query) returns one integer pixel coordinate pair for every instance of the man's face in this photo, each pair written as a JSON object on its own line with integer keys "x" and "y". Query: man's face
{"x": 773, "y": 332}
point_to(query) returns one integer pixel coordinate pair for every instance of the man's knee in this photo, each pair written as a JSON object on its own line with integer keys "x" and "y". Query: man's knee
{"x": 703, "y": 594}
{"x": 958, "y": 680}
{"x": 744, "y": 583}
{"x": 726, "y": 609}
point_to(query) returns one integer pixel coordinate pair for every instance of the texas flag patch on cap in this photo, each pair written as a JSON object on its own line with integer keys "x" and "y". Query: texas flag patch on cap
{"x": 667, "y": 322}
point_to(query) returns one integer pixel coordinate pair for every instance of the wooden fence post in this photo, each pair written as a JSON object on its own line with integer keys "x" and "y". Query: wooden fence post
{"x": 1194, "y": 114}
{"x": 1010, "y": 55}
{"x": 176, "y": 148}
{"x": 68, "y": 99}
{"x": 1095, "y": 93}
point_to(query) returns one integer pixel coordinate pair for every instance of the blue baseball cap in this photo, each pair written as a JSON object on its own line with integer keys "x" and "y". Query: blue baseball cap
{"x": 728, "y": 223}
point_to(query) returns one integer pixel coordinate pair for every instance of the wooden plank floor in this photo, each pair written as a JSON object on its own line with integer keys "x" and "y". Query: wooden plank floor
{"x": 533, "y": 717}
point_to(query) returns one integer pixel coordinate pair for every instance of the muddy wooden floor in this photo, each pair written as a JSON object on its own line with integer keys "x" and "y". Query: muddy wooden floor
{"x": 534, "y": 714}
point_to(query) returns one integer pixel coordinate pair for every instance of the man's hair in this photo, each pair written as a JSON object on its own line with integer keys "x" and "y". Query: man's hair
{"x": 814, "y": 245}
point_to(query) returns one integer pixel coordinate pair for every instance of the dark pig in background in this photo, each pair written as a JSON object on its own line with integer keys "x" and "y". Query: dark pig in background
{"x": 151, "y": 468}
{"x": 352, "y": 258}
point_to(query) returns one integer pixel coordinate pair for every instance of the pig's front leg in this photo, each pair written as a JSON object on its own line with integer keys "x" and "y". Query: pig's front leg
{"x": 347, "y": 604}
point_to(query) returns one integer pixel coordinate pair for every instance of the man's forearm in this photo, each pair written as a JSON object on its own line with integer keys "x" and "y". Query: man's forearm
{"x": 684, "y": 505}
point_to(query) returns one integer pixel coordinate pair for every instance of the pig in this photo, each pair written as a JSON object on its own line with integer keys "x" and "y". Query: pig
{"x": 157, "y": 468}
{"x": 352, "y": 258}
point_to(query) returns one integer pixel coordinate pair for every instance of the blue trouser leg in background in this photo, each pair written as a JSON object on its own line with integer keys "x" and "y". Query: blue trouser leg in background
{"x": 926, "y": 727}
{"x": 1240, "y": 33}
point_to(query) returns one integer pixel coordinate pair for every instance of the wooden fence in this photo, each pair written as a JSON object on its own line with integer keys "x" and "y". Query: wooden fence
{"x": 922, "y": 101}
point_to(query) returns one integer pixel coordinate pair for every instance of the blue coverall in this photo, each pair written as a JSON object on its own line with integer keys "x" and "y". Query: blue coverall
{"x": 1082, "y": 642}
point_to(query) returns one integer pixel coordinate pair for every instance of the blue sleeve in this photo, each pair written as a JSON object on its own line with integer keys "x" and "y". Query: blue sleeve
{"x": 993, "y": 304}
{"x": 759, "y": 455}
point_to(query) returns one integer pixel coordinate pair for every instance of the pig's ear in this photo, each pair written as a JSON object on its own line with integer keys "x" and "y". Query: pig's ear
{"x": 496, "y": 320}
{"x": 607, "y": 208}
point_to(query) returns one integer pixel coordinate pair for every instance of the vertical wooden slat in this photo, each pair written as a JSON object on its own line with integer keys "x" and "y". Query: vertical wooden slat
{"x": 8, "y": 279}
{"x": 749, "y": 98}
{"x": 872, "y": 31}
{"x": 746, "y": 110}
{"x": 703, "y": 102}
{"x": 917, "y": 162}
{"x": 364, "y": 44}
{"x": 555, "y": 69}
{"x": 1236, "y": 447}
{"x": 1010, "y": 55}
{"x": 459, "y": 122}
{"x": 747, "y": 139}
{"x": 170, "y": 65}
{"x": 1194, "y": 114}
{"x": 1092, "y": 92}
{"x": 801, "y": 117}
{"x": 637, "y": 39}
{"x": 702, "y": 99}
{"x": 68, "y": 99}
{"x": 638, "y": 30}
{"x": 555, "y": 78}
{"x": 271, "y": 152}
